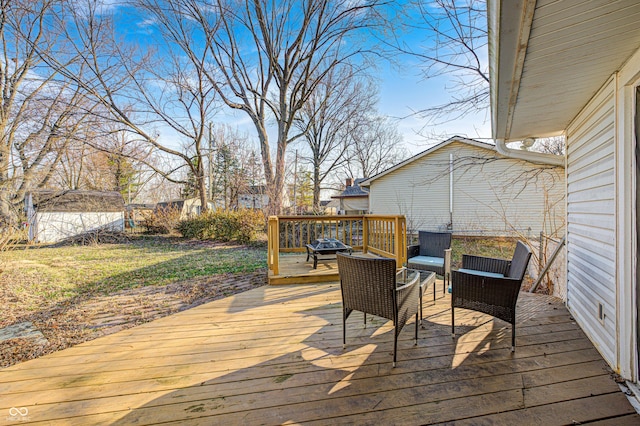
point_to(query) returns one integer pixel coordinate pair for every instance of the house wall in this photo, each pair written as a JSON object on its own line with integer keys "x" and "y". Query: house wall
{"x": 51, "y": 227}
{"x": 354, "y": 205}
{"x": 492, "y": 195}
{"x": 591, "y": 217}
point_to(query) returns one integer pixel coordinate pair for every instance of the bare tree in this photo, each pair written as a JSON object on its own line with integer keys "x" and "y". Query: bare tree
{"x": 375, "y": 145}
{"x": 40, "y": 111}
{"x": 454, "y": 44}
{"x": 327, "y": 119}
{"x": 552, "y": 145}
{"x": 269, "y": 57}
{"x": 141, "y": 90}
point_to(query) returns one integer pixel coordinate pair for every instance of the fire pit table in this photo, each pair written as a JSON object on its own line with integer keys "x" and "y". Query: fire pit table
{"x": 325, "y": 246}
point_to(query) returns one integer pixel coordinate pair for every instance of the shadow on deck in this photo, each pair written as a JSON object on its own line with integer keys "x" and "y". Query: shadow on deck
{"x": 274, "y": 355}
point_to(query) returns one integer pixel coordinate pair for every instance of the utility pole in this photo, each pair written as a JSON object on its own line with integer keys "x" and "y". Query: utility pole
{"x": 295, "y": 185}
{"x": 210, "y": 168}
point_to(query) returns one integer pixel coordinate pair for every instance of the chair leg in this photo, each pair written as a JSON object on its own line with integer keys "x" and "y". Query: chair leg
{"x": 365, "y": 320}
{"x": 453, "y": 326}
{"x": 513, "y": 337}
{"x": 415, "y": 340}
{"x": 344, "y": 329}
{"x": 395, "y": 344}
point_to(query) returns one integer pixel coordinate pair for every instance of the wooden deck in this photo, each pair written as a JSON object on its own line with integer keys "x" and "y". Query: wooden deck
{"x": 295, "y": 269}
{"x": 273, "y": 355}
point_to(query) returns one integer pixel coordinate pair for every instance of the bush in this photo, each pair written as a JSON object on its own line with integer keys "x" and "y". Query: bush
{"x": 242, "y": 226}
{"x": 162, "y": 220}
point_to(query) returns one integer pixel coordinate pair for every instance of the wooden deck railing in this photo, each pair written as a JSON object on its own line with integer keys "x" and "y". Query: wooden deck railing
{"x": 379, "y": 234}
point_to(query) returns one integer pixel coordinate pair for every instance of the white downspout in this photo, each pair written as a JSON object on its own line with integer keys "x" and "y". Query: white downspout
{"x": 450, "y": 190}
{"x": 535, "y": 157}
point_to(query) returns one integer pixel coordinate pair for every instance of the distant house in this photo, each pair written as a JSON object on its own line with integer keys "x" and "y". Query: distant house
{"x": 329, "y": 206}
{"x": 465, "y": 186}
{"x": 253, "y": 197}
{"x": 354, "y": 199}
{"x": 136, "y": 213}
{"x": 188, "y": 207}
{"x": 53, "y": 216}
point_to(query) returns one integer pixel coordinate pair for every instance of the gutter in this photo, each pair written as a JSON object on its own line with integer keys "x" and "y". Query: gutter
{"x": 534, "y": 157}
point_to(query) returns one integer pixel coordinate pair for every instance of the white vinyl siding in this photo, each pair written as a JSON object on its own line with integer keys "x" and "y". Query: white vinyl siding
{"x": 591, "y": 214}
{"x": 51, "y": 227}
{"x": 492, "y": 195}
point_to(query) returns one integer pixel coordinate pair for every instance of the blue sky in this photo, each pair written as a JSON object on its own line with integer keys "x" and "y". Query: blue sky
{"x": 402, "y": 92}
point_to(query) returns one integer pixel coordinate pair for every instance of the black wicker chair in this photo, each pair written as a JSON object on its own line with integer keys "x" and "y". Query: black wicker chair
{"x": 490, "y": 286}
{"x": 433, "y": 253}
{"x": 373, "y": 286}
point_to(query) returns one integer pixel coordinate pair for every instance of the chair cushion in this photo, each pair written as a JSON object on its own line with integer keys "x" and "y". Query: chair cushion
{"x": 481, "y": 273}
{"x": 437, "y": 262}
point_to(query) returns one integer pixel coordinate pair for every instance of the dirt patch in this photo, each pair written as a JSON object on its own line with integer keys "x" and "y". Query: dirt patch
{"x": 80, "y": 320}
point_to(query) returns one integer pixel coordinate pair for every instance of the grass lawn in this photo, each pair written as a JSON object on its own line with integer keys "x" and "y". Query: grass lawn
{"x": 501, "y": 248}
{"x": 35, "y": 277}
{"x": 72, "y": 294}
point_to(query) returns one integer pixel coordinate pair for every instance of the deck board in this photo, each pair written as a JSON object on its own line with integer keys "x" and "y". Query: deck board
{"x": 274, "y": 355}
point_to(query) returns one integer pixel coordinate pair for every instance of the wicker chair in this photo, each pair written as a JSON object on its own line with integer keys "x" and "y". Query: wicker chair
{"x": 371, "y": 286}
{"x": 490, "y": 286}
{"x": 433, "y": 253}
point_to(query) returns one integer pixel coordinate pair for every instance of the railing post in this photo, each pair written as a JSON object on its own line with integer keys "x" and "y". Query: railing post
{"x": 403, "y": 239}
{"x": 399, "y": 249}
{"x": 273, "y": 245}
{"x": 365, "y": 234}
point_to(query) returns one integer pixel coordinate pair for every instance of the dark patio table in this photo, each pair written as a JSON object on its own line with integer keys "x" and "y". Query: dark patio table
{"x": 325, "y": 246}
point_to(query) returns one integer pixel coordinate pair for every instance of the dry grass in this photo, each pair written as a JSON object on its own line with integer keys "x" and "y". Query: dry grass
{"x": 481, "y": 246}
{"x": 76, "y": 293}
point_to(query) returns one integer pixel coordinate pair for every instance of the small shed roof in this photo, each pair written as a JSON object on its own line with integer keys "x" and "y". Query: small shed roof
{"x": 255, "y": 190}
{"x": 174, "y": 204}
{"x": 354, "y": 190}
{"x": 77, "y": 201}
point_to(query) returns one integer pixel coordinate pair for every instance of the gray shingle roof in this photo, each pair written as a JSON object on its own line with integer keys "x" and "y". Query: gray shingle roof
{"x": 77, "y": 201}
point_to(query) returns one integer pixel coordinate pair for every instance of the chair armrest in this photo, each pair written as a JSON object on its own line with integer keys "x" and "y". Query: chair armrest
{"x": 413, "y": 251}
{"x": 411, "y": 282}
{"x": 447, "y": 261}
{"x": 404, "y": 276}
{"x": 486, "y": 264}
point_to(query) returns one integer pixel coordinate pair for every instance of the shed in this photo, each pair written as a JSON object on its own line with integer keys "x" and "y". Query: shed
{"x": 465, "y": 186}
{"x": 55, "y": 215}
{"x": 573, "y": 68}
{"x": 253, "y": 197}
{"x": 188, "y": 207}
{"x": 355, "y": 198}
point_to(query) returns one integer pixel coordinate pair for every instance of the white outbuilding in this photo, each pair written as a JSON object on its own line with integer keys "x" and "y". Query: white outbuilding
{"x": 467, "y": 187}
{"x": 53, "y": 216}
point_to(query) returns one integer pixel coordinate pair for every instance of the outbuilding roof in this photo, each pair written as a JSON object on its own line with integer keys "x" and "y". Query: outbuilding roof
{"x": 77, "y": 201}
{"x": 354, "y": 190}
